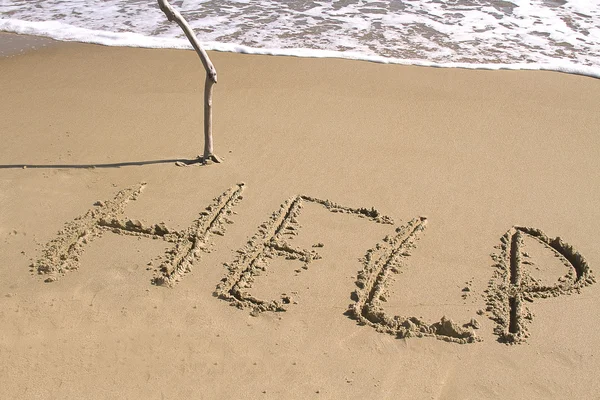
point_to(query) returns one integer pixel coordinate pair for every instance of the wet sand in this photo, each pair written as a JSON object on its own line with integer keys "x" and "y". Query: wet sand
{"x": 12, "y": 44}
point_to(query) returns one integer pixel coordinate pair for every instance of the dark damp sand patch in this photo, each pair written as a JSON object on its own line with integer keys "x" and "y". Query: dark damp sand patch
{"x": 379, "y": 263}
{"x": 272, "y": 240}
{"x": 512, "y": 285}
{"x": 62, "y": 253}
{"x": 12, "y": 44}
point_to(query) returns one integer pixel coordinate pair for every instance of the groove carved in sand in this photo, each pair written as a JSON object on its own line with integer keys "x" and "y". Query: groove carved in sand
{"x": 270, "y": 242}
{"x": 379, "y": 263}
{"x": 511, "y": 285}
{"x": 62, "y": 253}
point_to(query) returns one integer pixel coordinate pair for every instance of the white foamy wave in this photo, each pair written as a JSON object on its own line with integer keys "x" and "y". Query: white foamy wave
{"x": 560, "y": 35}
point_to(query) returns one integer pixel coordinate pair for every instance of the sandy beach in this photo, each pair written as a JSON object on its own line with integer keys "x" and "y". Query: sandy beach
{"x": 328, "y": 164}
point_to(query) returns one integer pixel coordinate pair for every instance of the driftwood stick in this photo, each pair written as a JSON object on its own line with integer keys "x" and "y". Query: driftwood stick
{"x": 211, "y": 76}
{"x": 208, "y": 140}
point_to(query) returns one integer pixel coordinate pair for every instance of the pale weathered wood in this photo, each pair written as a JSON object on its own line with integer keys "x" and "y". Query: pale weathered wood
{"x": 208, "y": 140}
{"x": 211, "y": 76}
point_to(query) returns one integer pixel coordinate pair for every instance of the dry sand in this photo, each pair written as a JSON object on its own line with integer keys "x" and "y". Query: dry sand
{"x": 369, "y": 191}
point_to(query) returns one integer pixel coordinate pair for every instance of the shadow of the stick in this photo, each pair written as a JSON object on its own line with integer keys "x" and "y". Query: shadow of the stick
{"x": 178, "y": 161}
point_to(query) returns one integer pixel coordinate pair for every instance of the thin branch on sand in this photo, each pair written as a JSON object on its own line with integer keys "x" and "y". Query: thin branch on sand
{"x": 211, "y": 77}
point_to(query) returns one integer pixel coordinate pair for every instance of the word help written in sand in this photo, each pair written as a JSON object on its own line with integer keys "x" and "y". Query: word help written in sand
{"x": 509, "y": 287}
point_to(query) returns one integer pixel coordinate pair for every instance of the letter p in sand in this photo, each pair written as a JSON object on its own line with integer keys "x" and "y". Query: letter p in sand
{"x": 512, "y": 284}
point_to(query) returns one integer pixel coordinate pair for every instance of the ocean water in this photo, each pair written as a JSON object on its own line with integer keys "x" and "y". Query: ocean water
{"x": 559, "y": 35}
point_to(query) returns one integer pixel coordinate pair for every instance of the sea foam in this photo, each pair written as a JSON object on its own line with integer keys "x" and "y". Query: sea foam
{"x": 556, "y": 35}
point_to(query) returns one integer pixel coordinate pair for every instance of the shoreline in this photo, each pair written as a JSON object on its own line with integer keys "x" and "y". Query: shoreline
{"x": 183, "y": 44}
{"x": 476, "y": 152}
{"x": 15, "y": 44}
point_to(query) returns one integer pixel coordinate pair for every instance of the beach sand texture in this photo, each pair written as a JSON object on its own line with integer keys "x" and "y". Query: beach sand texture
{"x": 350, "y": 193}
